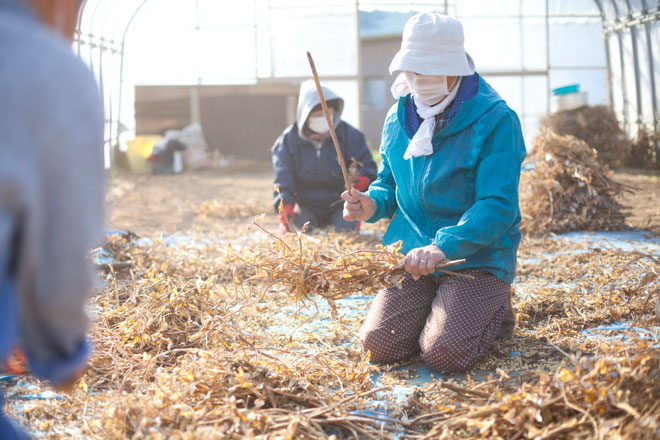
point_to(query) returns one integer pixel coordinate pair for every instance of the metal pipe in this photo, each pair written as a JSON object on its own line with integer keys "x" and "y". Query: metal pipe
{"x": 622, "y": 61}
{"x": 649, "y": 47}
{"x": 121, "y": 64}
{"x": 106, "y": 92}
{"x": 81, "y": 11}
{"x": 91, "y": 40}
{"x": 638, "y": 85}
{"x": 608, "y": 57}
{"x": 113, "y": 127}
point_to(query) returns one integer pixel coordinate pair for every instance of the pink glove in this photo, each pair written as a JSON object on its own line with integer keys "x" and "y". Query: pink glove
{"x": 16, "y": 362}
{"x": 289, "y": 214}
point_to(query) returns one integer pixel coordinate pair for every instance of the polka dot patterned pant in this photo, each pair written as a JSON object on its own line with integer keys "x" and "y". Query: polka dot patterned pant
{"x": 452, "y": 321}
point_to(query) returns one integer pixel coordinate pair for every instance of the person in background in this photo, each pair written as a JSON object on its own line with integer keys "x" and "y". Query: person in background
{"x": 165, "y": 157}
{"x": 452, "y": 152}
{"x": 51, "y": 191}
{"x": 307, "y": 173}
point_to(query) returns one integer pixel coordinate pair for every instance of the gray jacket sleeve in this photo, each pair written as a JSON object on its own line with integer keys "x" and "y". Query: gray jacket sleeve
{"x": 63, "y": 221}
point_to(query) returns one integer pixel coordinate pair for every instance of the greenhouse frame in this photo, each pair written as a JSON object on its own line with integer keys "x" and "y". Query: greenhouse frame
{"x": 195, "y": 244}
{"x": 525, "y": 48}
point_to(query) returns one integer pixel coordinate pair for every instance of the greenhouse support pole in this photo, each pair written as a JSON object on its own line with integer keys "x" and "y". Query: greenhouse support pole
{"x": 624, "y": 89}
{"x": 105, "y": 90}
{"x": 608, "y": 48}
{"x": 649, "y": 47}
{"x": 92, "y": 44}
{"x": 121, "y": 65}
{"x": 638, "y": 82}
{"x": 81, "y": 11}
{"x": 108, "y": 87}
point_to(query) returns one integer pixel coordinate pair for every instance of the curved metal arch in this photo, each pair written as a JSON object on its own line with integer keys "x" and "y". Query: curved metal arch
{"x": 608, "y": 57}
{"x": 649, "y": 54}
{"x": 139, "y": 6}
{"x": 622, "y": 16}
{"x": 121, "y": 64}
{"x": 114, "y": 122}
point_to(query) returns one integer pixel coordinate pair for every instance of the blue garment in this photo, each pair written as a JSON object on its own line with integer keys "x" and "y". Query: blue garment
{"x": 8, "y": 316}
{"x": 7, "y": 429}
{"x": 8, "y": 339}
{"x": 312, "y": 177}
{"x": 464, "y": 197}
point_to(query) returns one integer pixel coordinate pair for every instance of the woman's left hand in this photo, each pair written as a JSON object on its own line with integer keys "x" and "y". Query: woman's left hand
{"x": 422, "y": 261}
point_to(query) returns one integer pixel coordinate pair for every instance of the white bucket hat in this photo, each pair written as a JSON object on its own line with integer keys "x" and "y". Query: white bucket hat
{"x": 432, "y": 44}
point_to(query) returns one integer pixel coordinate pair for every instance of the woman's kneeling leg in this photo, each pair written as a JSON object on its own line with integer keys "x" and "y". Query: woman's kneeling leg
{"x": 396, "y": 318}
{"x": 464, "y": 320}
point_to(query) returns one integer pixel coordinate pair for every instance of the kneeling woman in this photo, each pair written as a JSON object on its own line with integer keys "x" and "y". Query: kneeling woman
{"x": 452, "y": 151}
{"x": 307, "y": 172}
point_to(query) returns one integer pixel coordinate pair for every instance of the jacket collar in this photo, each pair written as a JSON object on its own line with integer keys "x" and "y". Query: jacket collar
{"x": 470, "y": 109}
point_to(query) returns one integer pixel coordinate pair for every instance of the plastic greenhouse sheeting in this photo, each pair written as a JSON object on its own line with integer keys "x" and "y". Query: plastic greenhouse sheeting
{"x": 524, "y": 47}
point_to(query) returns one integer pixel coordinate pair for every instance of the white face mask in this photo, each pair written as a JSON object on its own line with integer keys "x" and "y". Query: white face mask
{"x": 318, "y": 124}
{"x": 430, "y": 89}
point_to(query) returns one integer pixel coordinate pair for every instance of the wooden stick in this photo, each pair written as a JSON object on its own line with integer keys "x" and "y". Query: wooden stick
{"x": 464, "y": 390}
{"x": 442, "y": 264}
{"x": 455, "y": 274}
{"x": 340, "y": 156}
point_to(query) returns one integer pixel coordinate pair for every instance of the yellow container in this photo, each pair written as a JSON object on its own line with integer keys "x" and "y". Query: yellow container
{"x": 139, "y": 149}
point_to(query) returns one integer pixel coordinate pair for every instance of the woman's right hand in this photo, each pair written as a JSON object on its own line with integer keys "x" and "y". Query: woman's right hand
{"x": 358, "y": 206}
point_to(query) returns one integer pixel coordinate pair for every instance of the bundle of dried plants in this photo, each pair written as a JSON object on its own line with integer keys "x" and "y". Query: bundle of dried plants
{"x": 645, "y": 152}
{"x": 568, "y": 189}
{"x": 334, "y": 273}
{"x": 598, "y": 127}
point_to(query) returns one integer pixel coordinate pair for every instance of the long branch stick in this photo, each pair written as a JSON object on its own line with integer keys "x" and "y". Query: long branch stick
{"x": 340, "y": 156}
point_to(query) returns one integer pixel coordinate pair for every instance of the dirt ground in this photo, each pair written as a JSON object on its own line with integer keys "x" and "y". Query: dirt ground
{"x": 643, "y": 200}
{"x": 148, "y": 204}
{"x": 213, "y": 338}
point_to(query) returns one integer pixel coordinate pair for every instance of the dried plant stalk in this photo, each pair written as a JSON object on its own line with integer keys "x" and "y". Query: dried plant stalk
{"x": 287, "y": 262}
{"x": 568, "y": 189}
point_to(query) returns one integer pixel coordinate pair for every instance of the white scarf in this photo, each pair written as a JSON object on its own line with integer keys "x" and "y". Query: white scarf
{"x": 421, "y": 144}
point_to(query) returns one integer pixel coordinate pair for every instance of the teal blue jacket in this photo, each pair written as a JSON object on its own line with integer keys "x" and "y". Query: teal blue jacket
{"x": 463, "y": 197}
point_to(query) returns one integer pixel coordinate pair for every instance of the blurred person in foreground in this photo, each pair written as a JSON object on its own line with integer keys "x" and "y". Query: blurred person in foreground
{"x": 452, "y": 151}
{"x": 307, "y": 171}
{"x": 51, "y": 191}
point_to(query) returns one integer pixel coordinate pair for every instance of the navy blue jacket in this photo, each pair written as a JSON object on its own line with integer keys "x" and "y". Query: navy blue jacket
{"x": 313, "y": 178}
